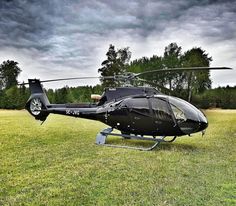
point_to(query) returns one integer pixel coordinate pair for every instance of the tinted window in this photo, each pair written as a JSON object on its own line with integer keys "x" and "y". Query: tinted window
{"x": 161, "y": 109}
{"x": 139, "y": 105}
{"x": 178, "y": 113}
{"x": 190, "y": 112}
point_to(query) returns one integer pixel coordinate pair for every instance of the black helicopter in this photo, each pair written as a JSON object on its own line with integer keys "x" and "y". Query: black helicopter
{"x": 142, "y": 113}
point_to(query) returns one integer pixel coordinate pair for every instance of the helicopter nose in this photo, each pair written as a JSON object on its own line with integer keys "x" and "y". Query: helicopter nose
{"x": 203, "y": 123}
{"x": 203, "y": 126}
{"x": 188, "y": 117}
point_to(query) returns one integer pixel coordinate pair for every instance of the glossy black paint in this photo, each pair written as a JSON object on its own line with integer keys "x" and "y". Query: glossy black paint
{"x": 151, "y": 115}
{"x": 132, "y": 110}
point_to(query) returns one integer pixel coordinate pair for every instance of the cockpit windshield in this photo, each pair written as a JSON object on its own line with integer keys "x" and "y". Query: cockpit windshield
{"x": 183, "y": 110}
{"x": 188, "y": 117}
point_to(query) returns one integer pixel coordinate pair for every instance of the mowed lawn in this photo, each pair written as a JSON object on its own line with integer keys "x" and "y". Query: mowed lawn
{"x": 58, "y": 163}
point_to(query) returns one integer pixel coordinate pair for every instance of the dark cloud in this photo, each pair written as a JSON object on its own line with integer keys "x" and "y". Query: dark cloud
{"x": 25, "y": 24}
{"x": 69, "y": 37}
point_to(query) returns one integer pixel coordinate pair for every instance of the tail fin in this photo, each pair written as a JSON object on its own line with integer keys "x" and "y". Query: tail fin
{"x": 38, "y": 101}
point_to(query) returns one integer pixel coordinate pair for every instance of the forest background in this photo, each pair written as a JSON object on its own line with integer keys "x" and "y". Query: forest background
{"x": 181, "y": 84}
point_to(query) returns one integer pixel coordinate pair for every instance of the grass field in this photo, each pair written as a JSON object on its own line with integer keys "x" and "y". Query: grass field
{"x": 58, "y": 163}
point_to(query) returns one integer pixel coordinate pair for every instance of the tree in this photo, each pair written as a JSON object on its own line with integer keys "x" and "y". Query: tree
{"x": 172, "y": 59}
{"x": 61, "y": 95}
{"x": 145, "y": 64}
{"x": 115, "y": 64}
{"x": 9, "y": 72}
{"x": 50, "y": 95}
{"x": 181, "y": 83}
{"x": 197, "y": 82}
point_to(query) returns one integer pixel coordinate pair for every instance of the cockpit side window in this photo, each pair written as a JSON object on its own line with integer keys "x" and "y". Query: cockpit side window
{"x": 178, "y": 113}
{"x": 161, "y": 109}
{"x": 139, "y": 105}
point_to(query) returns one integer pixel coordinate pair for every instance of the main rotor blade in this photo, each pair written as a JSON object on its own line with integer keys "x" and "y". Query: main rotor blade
{"x": 63, "y": 79}
{"x": 73, "y": 78}
{"x": 117, "y": 77}
{"x": 182, "y": 69}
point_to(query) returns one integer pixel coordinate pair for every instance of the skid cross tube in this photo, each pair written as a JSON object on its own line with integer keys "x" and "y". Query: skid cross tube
{"x": 102, "y": 136}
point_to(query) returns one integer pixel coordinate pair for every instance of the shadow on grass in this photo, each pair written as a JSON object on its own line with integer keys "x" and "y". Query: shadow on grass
{"x": 179, "y": 147}
{"x": 162, "y": 146}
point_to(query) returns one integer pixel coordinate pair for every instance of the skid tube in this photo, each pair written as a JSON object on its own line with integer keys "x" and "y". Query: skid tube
{"x": 103, "y": 135}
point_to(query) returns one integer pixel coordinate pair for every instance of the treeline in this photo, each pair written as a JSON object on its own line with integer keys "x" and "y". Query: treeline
{"x": 194, "y": 87}
{"x": 221, "y": 97}
{"x": 15, "y": 98}
{"x": 73, "y": 94}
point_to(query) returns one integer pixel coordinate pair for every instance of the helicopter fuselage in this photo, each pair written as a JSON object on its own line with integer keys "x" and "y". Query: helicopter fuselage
{"x": 144, "y": 115}
{"x": 132, "y": 110}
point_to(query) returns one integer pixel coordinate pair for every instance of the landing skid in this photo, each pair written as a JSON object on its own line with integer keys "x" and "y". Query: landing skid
{"x": 102, "y": 136}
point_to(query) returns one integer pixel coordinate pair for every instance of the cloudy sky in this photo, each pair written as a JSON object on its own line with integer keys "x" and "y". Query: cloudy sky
{"x": 67, "y": 38}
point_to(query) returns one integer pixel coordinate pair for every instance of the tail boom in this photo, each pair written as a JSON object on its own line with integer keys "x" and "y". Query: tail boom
{"x": 39, "y": 106}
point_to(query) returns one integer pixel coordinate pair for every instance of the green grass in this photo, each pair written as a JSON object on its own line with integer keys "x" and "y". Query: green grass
{"x": 58, "y": 163}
